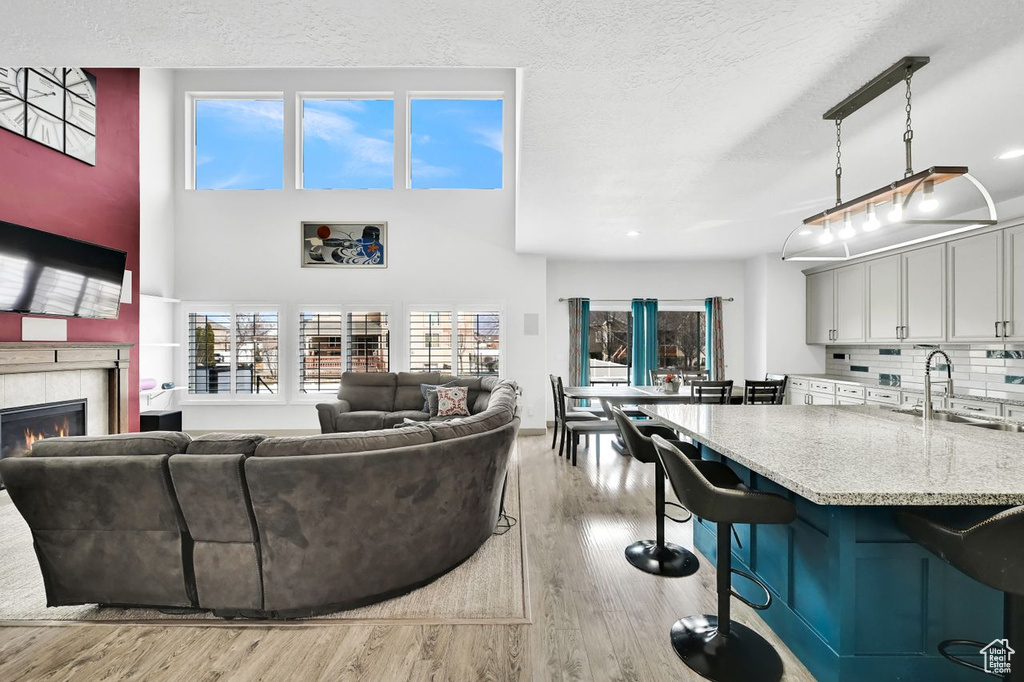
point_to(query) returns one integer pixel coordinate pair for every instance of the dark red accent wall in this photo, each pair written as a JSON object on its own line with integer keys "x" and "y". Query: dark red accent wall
{"x": 44, "y": 189}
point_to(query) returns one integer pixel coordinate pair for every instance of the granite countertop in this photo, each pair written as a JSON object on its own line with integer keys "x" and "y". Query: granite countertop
{"x": 860, "y": 455}
{"x": 938, "y": 388}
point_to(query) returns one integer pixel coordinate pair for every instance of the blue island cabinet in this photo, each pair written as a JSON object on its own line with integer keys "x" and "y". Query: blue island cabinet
{"x": 854, "y": 598}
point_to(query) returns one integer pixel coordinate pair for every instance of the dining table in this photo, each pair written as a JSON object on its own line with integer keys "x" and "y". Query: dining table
{"x": 637, "y": 395}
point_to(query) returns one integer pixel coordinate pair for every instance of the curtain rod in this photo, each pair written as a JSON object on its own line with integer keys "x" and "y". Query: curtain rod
{"x": 667, "y": 300}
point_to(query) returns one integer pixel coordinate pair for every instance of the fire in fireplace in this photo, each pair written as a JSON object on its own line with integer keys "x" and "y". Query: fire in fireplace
{"x": 20, "y": 427}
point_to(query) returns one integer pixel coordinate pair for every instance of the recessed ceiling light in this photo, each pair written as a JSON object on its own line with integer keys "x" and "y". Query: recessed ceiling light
{"x": 1012, "y": 154}
{"x": 633, "y": 233}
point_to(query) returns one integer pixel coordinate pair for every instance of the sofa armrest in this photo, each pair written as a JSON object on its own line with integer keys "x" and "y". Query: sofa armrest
{"x": 328, "y": 411}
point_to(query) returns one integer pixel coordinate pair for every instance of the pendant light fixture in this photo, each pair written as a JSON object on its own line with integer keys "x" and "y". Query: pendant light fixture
{"x": 937, "y": 202}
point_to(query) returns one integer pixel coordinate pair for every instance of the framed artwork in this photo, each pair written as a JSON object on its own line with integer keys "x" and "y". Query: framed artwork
{"x": 53, "y": 106}
{"x": 344, "y": 245}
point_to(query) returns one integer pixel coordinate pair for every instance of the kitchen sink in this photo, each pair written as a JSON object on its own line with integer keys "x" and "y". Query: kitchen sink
{"x": 991, "y": 425}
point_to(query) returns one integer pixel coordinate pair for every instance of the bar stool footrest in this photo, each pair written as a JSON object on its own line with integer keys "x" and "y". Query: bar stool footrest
{"x": 948, "y": 643}
{"x": 673, "y": 519}
{"x": 757, "y": 581}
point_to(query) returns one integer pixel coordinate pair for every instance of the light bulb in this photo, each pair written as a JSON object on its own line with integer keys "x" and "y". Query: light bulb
{"x": 871, "y": 224}
{"x": 826, "y": 233}
{"x": 847, "y": 230}
{"x": 804, "y": 232}
{"x": 928, "y": 201}
{"x": 896, "y": 212}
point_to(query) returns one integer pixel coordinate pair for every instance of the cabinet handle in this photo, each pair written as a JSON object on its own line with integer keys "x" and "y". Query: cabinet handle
{"x": 904, "y": 332}
{"x": 997, "y": 329}
{"x": 898, "y": 332}
{"x": 1005, "y": 333}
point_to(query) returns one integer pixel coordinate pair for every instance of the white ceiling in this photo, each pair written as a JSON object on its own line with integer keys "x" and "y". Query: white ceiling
{"x": 697, "y": 123}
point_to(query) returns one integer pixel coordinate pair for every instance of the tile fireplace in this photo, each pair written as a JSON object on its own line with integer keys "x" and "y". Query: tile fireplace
{"x": 20, "y": 427}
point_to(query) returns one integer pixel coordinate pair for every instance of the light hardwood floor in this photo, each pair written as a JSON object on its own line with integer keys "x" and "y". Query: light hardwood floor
{"x": 594, "y": 616}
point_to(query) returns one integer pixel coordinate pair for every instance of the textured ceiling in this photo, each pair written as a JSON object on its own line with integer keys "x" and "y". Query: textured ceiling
{"x": 697, "y": 123}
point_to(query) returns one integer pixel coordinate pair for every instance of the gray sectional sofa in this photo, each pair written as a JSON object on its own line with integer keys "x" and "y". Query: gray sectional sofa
{"x": 263, "y": 527}
{"x": 382, "y": 400}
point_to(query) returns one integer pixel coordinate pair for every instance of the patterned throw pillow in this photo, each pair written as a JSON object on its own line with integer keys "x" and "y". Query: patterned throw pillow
{"x": 452, "y": 402}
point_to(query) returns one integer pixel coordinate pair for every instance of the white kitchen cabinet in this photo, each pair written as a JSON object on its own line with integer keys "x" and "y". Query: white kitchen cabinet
{"x": 849, "y": 304}
{"x": 1013, "y": 283}
{"x": 975, "y": 406}
{"x": 849, "y": 401}
{"x": 975, "y": 270}
{"x": 883, "y": 316}
{"x": 821, "y": 307}
{"x": 820, "y": 399}
{"x": 797, "y": 397}
{"x": 924, "y": 294}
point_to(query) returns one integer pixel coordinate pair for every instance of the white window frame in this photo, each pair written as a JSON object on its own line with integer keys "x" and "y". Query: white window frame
{"x": 190, "y": 131}
{"x": 455, "y": 309}
{"x": 456, "y": 95}
{"x": 231, "y": 397}
{"x": 300, "y": 148}
{"x": 297, "y": 396}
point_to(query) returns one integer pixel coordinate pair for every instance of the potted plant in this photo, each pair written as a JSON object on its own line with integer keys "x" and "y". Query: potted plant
{"x": 672, "y": 383}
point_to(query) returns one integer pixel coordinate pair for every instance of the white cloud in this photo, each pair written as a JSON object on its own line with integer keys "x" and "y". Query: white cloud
{"x": 250, "y": 114}
{"x": 364, "y": 151}
{"x": 490, "y": 137}
{"x": 422, "y": 169}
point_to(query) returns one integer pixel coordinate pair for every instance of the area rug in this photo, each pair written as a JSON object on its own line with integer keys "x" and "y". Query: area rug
{"x": 490, "y": 587}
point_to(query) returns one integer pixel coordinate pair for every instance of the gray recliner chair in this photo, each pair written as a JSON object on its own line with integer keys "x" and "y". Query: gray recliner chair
{"x": 103, "y": 502}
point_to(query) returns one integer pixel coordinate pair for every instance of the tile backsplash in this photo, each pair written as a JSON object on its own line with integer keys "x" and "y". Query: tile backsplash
{"x": 993, "y": 371}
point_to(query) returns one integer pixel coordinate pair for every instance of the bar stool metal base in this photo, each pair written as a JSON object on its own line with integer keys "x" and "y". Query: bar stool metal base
{"x": 742, "y": 656}
{"x": 669, "y": 560}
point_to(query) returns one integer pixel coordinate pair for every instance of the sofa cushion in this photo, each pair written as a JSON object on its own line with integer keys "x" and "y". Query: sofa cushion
{"x": 451, "y": 402}
{"x": 392, "y": 418}
{"x": 409, "y": 394}
{"x": 148, "y": 443}
{"x": 369, "y": 391}
{"x": 504, "y": 396}
{"x": 341, "y": 443}
{"x": 429, "y": 393}
{"x": 225, "y": 444}
{"x": 364, "y": 420}
{"x": 467, "y": 426}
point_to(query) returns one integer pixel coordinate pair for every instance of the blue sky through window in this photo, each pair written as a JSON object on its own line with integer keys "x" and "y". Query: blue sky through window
{"x": 239, "y": 144}
{"x": 348, "y": 144}
{"x": 455, "y": 144}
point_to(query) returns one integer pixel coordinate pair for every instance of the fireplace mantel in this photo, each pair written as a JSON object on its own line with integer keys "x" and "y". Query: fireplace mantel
{"x": 57, "y": 357}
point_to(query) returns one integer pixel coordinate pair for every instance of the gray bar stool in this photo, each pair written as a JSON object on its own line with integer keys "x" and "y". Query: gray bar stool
{"x": 984, "y": 543}
{"x": 656, "y": 556}
{"x": 714, "y": 646}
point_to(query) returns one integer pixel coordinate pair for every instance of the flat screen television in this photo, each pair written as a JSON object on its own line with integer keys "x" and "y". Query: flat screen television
{"x": 46, "y": 274}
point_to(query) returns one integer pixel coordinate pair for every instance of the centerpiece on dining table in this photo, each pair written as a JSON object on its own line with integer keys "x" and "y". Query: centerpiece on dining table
{"x": 672, "y": 382}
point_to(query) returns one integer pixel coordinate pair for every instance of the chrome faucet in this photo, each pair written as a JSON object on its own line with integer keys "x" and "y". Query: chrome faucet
{"x": 927, "y": 409}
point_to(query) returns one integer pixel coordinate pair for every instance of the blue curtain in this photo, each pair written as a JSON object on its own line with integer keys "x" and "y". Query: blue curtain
{"x": 579, "y": 342}
{"x": 639, "y": 349}
{"x": 651, "y": 332}
{"x": 645, "y": 340}
{"x": 709, "y": 347}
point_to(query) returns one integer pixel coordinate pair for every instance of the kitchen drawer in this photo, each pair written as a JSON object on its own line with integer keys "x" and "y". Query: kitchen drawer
{"x": 820, "y": 399}
{"x": 823, "y": 387}
{"x": 975, "y": 406}
{"x": 842, "y": 400}
{"x": 917, "y": 400}
{"x": 1013, "y": 411}
{"x": 799, "y": 384}
{"x": 848, "y": 391}
{"x": 797, "y": 397}
{"x": 885, "y": 396}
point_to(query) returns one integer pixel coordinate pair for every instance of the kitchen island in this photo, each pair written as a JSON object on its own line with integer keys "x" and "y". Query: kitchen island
{"x": 855, "y": 599}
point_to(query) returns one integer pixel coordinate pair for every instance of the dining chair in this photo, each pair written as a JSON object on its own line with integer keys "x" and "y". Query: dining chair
{"x": 784, "y": 378}
{"x": 564, "y": 415}
{"x": 690, "y": 375}
{"x": 711, "y": 392}
{"x": 762, "y": 392}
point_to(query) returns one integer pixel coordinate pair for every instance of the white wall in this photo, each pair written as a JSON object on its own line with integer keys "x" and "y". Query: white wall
{"x": 157, "y": 225}
{"x": 661, "y": 280}
{"x": 445, "y": 246}
{"x": 776, "y": 316}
